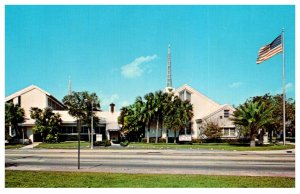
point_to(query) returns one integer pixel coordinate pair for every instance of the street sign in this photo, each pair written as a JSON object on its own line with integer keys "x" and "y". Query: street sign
{"x": 185, "y": 137}
{"x": 98, "y": 137}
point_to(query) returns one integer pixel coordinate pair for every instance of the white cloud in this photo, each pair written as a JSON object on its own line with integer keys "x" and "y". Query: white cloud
{"x": 135, "y": 68}
{"x": 235, "y": 85}
{"x": 289, "y": 87}
{"x": 105, "y": 100}
{"x": 125, "y": 103}
{"x": 114, "y": 97}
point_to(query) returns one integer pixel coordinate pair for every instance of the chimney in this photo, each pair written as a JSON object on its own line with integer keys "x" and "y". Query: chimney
{"x": 112, "y": 107}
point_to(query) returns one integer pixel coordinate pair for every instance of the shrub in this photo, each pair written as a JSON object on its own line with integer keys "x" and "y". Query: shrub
{"x": 162, "y": 140}
{"x": 124, "y": 143}
{"x": 213, "y": 131}
{"x": 107, "y": 143}
{"x": 99, "y": 143}
{"x": 213, "y": 140}
{"x": 171, "y": 140}
{"x": 197, "y": 141}
{"x": 244, "y": 140}
{"x": 102, "y": 143}
{"x": 50, "y": 138}
{"x": 291, "y": 139}
{"x": 151, "y": 140}
{"x": 144, "y": 140}
{"x": 8, "y": 138}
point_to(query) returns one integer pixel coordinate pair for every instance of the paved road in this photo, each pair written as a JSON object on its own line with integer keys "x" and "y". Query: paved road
{"x": 271, "y": 163}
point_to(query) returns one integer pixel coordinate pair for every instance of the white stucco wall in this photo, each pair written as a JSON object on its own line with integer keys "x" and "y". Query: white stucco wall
{"x": 219, "y": 118}
{"x": 33, "y": 98}
{"x": 202, "y": 106}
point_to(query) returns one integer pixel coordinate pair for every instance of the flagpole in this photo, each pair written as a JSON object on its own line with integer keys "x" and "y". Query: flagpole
{"x": 283, "y": 86}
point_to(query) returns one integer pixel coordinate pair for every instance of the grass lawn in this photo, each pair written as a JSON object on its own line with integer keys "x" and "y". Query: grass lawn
{"x": 35, "y": 179}
{"x": 214, "y": 146}
{"x": 63, "y": 145}
{"x": 16, "y": 146}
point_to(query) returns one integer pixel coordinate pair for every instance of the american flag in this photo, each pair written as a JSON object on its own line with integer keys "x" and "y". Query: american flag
{"x": 269, "y": 50}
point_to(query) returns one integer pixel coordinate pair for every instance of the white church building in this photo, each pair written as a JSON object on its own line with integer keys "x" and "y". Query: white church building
{"x": 205, "y": 110}
{"x": 33, "y": 96}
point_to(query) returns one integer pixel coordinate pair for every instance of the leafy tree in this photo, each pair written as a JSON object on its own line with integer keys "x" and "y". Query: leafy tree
{"x": 47, "y": 124}
{"x": 122, "y": 119}
{"x": 253, "y": 116}
{"x": 167, "y": 108}
{"x": 148, "y": 112}
{"x": 160, "y": 108}
{"x": 160, "y": 103}
{"x": 178, "y": 116}
{"x": 14, "y": 115}
{"x": 212, "y": 130}
{"x": 79, "y": 105}
{"x": 131, "y": 119}
{"x": 186, "y": 110}
{"x": 276, "y": 103}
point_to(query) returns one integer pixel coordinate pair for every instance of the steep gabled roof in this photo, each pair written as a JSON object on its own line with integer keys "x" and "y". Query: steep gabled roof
{"x": 23, "y": 91}
{"x": 28, "y": 89}
{"x": 192, "y": 90}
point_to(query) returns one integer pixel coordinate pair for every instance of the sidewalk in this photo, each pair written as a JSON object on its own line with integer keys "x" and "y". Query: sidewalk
{"x": 30, "y": 146}
{"x": 115, "y": 145}
{"x": 288, "y": 151}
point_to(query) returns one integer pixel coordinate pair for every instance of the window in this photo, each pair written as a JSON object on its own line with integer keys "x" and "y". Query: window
{"x": 63, "y": 130}
{"x": 226, "y": 132}
{"x": 188, "y": 96}
{"x": 85, "y": 129}
{"x": 181, "y": 95}
{"x": 19, "y": 101}
{"x": 226, "y": 113}
{"x": 229, "y": 132}
{"x": 54, "y": 105}
{"x": 185, "y": 95}
{"x": 232, "y": 132}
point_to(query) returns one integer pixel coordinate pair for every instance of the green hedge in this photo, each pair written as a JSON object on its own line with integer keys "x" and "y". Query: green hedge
{"x": 102, "y": 143}
{"x": 124, "y": 143}
{"x": 152, "y": 140}
{"x": 239, "y": 141}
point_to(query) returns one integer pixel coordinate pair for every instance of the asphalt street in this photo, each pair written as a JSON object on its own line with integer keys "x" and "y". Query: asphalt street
{"x": 266, "y": 163}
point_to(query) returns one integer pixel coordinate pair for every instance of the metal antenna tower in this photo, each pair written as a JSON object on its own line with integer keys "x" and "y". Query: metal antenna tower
{"x": 169, "y": 87}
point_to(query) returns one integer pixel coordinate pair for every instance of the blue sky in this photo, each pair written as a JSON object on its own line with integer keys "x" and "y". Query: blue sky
{"x": 120, "y": 52}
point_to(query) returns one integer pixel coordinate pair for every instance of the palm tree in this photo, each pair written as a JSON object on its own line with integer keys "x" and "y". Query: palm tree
{"x": 172, "y": 118}
{"x": 80, "y": 105}
{"x": 186, "y": 113}
{"x": 159, "y": 102}
{"x": 168, "y": 110}
{"x": 14, "y": 115}
{"x": 122, "y": 119}
{"x": 253, "y": 116}
{"x": 178, "y": 115}
{"x": 148, "y": 112}
{"x": 137, "y": 117}
{"x": 132, "y": 118}
{"x": 166, "y": 106}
